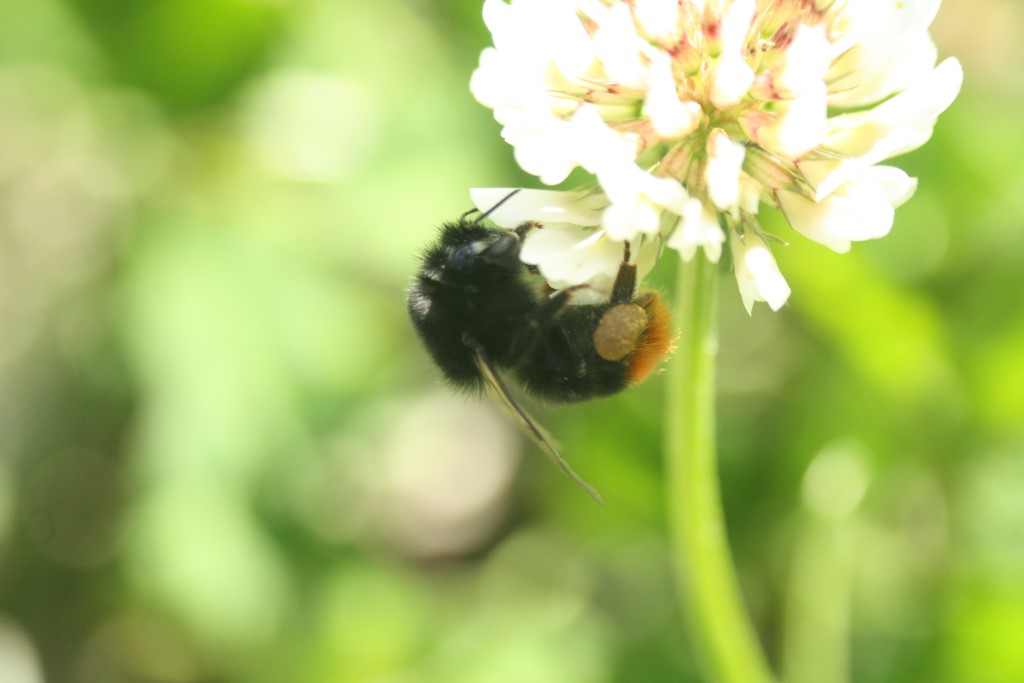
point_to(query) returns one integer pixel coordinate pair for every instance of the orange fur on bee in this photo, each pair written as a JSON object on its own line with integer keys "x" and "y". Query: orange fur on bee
{"x": 657, "y": 341}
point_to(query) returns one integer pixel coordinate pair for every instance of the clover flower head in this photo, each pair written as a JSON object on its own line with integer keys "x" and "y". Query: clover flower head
{"x": 692, "y": 114}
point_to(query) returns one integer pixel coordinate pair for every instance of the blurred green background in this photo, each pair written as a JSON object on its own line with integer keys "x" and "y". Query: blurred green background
{"x": 224, "y": 458}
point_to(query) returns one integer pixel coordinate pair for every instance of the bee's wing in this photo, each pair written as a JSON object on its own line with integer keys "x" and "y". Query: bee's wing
{"x": 497, "y": 387}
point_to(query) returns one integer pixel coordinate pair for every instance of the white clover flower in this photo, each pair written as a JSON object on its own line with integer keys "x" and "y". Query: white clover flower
{"x": 690, "y": 114}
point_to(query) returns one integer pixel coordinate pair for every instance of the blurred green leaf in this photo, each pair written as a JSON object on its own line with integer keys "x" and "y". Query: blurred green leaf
{"x": 186, "y": 53}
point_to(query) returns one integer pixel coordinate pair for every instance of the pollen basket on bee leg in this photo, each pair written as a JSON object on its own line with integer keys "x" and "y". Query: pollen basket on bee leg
{"x": 618, "y": 331}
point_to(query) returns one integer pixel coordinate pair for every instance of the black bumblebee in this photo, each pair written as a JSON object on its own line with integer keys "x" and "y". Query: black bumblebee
{"x": 477, "y": 312}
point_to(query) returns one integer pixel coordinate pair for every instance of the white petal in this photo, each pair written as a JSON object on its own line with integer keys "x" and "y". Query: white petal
{"x": 731, "y": 76}
{"x": 543, "y": 206}
{"x": 497, "y": 15}
{"x": 896, "y": 186}
{"x": 916, "y": 108}
{"x": 756, "y": 272}
{"x": 861, "y": 209}
{"x": 807, "y": 60}
{"x": 886, "y": 47}
{"x": 535, "y": 33}
{"x": 625, "y": 221}
{"x": 722, "y": 173}
{"x": 619, "y": 48}
{"x": 659, "y": 19}
{"x": 637, "y": 200}
{"x": 750, "y": 194}
{"x": 628, "y": 220}
{"x": 567, "y": 256}
{"x": 698, "y": 227}
{"x": 550, "y": 148}
{"x": 544, "y": 148}
{"x": 670, "y": 116}
{"x": 486, "y": 83}
{"x": 667, "y": 193}
{"x": 736, "y": 22}
{"x": 595, "y": 144}
{"x": 571, "y": 49}
{"x": 895, "y": 127}
{"x": 798, "y": 125}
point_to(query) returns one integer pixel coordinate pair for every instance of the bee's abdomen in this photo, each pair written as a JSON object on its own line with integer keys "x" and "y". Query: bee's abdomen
{"x": 596, "y": 351}
{"x": 565, "y": 367}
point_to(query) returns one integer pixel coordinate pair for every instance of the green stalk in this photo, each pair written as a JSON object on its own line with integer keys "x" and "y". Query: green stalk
{"x": 706, "y": 580}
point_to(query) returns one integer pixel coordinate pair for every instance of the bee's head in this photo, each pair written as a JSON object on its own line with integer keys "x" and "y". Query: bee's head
{"x": 471, "y": 248}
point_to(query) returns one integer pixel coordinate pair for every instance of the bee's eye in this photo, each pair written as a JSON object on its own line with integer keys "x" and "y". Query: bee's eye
{"x": 461, "y": 256}
{"x": 480, "y": 246}
{"x": 488, "y": 249}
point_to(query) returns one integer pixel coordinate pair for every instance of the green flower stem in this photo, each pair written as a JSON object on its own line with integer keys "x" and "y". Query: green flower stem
{"x": 707, "y": 583}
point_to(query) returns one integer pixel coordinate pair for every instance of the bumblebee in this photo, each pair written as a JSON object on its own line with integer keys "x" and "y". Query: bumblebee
{"x": 478, "y": 314}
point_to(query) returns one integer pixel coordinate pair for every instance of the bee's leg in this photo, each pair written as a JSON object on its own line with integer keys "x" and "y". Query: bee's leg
{"x": 625, "y": 281}
{"x": 521, "y": 231}
{"x": 525, "y": 227}
{"x": 542, "y": 319}
{"x": 554, "y": 305}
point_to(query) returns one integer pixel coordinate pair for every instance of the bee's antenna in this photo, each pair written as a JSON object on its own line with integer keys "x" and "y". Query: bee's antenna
{"x": 491, "y": 210}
